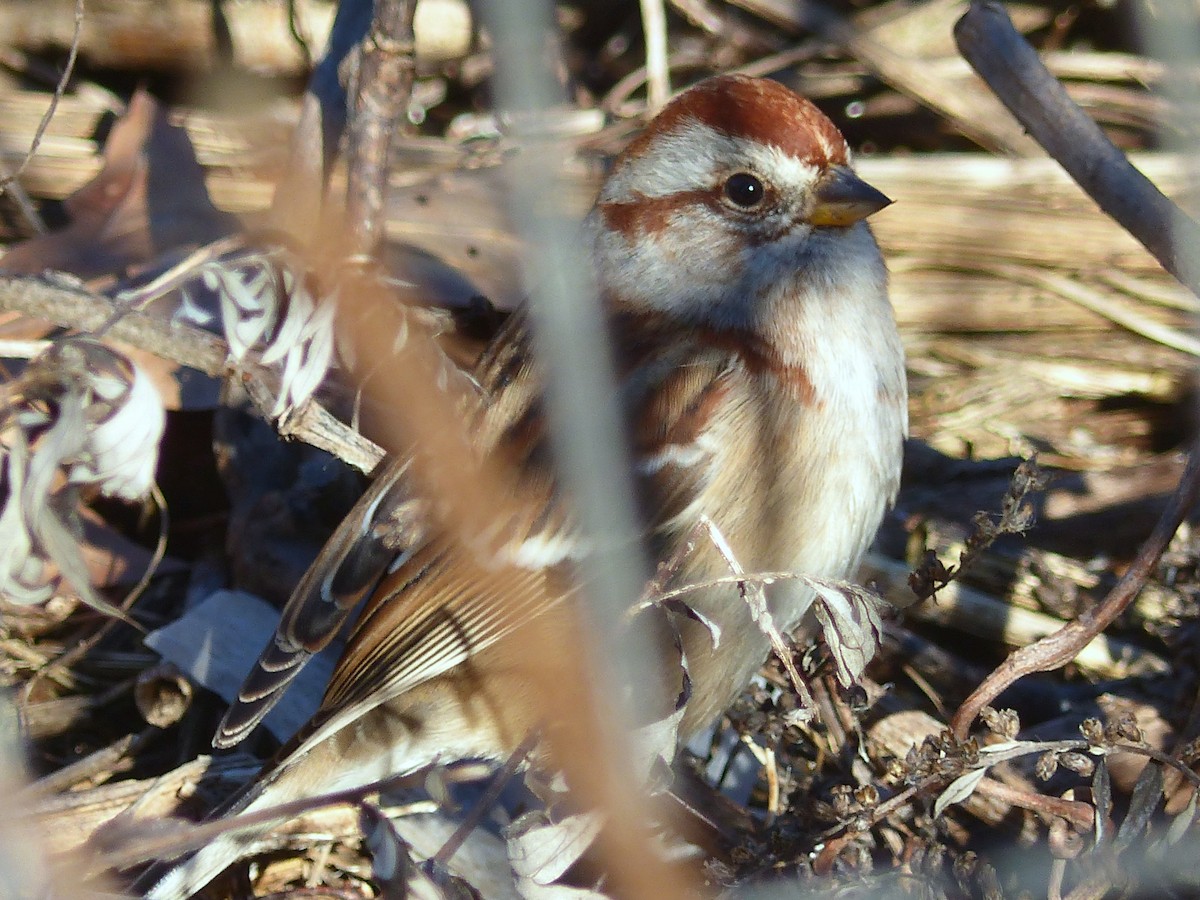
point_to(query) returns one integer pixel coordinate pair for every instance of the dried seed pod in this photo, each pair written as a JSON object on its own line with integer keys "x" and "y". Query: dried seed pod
{"x": 163, "y": 694}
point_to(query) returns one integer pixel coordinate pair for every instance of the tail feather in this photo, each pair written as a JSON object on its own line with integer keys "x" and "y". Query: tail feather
{"x": 381, "y": 743}
{"x": 350, "y": 566}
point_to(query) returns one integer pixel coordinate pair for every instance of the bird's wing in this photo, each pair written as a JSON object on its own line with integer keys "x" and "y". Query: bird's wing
{"x": 434, "y": 613}
{"x": 443, "y": 600}
{"x": 386, "y": 522}
{"x": 454, "y": 596}
{"x": 350, "y": 566}
{"x": 448, "y": 601}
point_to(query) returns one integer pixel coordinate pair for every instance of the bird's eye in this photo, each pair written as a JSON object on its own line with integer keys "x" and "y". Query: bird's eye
{"x": 745, "y": 190}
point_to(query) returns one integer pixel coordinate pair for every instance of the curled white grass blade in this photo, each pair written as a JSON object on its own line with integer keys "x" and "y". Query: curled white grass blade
{"x": 62, "y": 546}
{"x": 850, "y": 623}
{"x": 266, "y": 306}
{"x": 47, "y": 536}
{"x": 56, "y": 447}
{"x": 247, "y": 312}
{"x": 295, "y": 306}
{"x": 190, "y": 312}
{"x": 23, "y": 578}
{"x": 958, "y": 790}
{"x": 107, "y": 421}
{"x": 86, "y": 410}
{"x": 309, "y": 357}
{"x": 121, "y": 450}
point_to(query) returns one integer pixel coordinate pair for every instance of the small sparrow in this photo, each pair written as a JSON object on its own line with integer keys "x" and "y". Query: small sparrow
{"x": 762, "y": 379}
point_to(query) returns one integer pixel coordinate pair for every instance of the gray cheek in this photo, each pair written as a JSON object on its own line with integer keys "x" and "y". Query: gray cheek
{"x": 637, "y": 272}
{"x": 691, "y": 268}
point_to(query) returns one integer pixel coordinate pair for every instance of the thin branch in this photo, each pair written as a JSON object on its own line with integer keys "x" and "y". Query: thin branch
{"x": 1081, "y": 815}
{"x": 1061, "y": 647}
{"x": 486, "y": 802}
{"x": 384, "y": 86}
{"x": 992, "y": 45}
{"x": 21, "y": 201}
{"x": 77, "y": 308}
{"x": 59, "y": 89}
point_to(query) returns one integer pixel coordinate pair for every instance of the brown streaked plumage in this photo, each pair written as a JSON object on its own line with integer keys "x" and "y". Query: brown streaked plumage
{"x": 762, "y": 381}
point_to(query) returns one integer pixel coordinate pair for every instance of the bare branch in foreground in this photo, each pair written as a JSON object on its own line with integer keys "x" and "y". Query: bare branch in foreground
{"x": 74, "y": 307}
{"x": 1061, "y": 647}
{"x": 1011, "y": 67}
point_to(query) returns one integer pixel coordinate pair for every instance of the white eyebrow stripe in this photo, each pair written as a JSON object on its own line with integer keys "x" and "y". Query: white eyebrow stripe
{"x": 697, "y": 155}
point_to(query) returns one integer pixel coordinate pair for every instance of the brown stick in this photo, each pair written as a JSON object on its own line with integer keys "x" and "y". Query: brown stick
{"x": 190, "y": 346}
{"x": 1004, "y": 59}
{"x": 988, "y": 40}
{"x": 1061, "y": 647}
{"x": 383, "y": 88}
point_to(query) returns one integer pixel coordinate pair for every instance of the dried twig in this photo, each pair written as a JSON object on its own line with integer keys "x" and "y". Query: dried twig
{"x": 21, "y": 201}
{"x": 384, "y": 85}
{"x": 59, "y": 88}
{"x": 1011, "y": 67}
{"x": 485, "y": 803}
{"x": 77, "y": 308}
{"x": 104, "y": 761}
{"x": 753, "y": 595}
{"x": 1061, "y": 647}
{"x": 1016, "y": 517}
{"x": 658, "y": 76}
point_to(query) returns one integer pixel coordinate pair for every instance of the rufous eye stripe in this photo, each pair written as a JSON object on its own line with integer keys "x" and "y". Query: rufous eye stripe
{"x": 650, "y": 215}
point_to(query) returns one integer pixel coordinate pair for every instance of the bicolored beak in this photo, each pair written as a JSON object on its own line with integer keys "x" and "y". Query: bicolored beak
{"x": 842, "y": 198}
